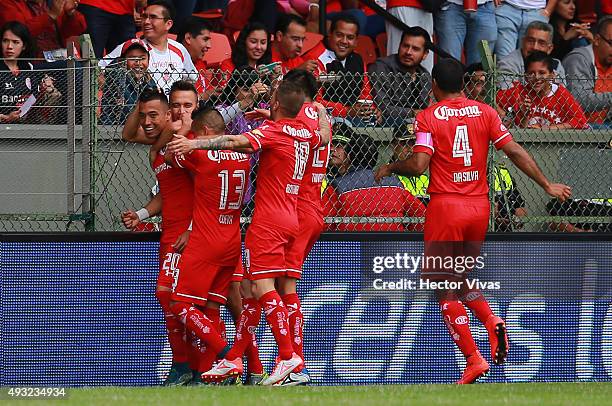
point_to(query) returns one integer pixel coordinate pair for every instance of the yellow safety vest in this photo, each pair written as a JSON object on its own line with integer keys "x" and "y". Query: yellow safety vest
{"x": 506, "y": 179}
{"x": 416, "y": 185}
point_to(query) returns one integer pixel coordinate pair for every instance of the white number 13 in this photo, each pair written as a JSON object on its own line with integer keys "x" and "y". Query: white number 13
{"x": 461, "y": 145}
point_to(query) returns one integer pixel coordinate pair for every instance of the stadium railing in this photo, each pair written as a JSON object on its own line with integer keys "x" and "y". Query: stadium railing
{"x": 66, "y": 168}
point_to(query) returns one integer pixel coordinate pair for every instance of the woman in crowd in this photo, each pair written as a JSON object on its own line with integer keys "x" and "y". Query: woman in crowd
{"x": 15, "y": 71}
{"x": 569, "y": 32}
{"x": 541, "y": 103}
{"x": 252, "y": 49}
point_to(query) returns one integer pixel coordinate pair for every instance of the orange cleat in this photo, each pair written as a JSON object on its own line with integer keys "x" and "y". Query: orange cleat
{"x": 477, "y": 367}
{"x": 498, "y": 339}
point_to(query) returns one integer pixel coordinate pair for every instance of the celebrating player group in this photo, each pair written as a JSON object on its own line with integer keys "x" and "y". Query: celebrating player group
{"x": 203, "y": 177}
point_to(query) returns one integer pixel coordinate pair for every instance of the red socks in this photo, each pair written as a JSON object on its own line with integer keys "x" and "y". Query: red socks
{"x": 477, "y": 303}
{"x": 201, "y": 325}
{"x": 245, "y": 328}
{"x": 296, "y": 322}
{"x": 276, "y": 315}
{"x": 174, "y": 328}
{"x": 456, "y": 320}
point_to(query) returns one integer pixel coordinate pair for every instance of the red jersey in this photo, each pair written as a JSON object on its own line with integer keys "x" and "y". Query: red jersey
{"x": 288, "y": 64}
{"x": 176, "y": 188}
{"x": 120, "y": 7}
{"x": 220, "y": 181}
{"x": 285, "y": 147}
{"x": 456, "y": 134}
{"x": 316, "y": 168}
{"x": 558, "y": 107}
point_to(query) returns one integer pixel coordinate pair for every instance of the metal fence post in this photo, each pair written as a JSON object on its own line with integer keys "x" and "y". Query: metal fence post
{"x": 70, "y": 134}
{"x": 88, "y": 122}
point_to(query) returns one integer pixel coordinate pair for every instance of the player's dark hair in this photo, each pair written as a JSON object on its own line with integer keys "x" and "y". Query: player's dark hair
{"x": 473, "y": 68}
{"x": 290, "y": 97}
{"x": 20, "y": 30}
{"x": 207, "y": 115}
{"x": 150, "y": 94}
{"x": 194, "y": 26}
{"x": 169, "y": 10}
{"x": 602, "y": 25}
{"x": 539, "y": 56}
{"x": 305, "y": 80}
{"x": 239, "y": 55}
{"x": 182, "y": 86}
{"x": 417, "y": 31}
{"x": 345, "y": 17}
{"x": 448, "y": 74}
{"x": 285, "y": 20}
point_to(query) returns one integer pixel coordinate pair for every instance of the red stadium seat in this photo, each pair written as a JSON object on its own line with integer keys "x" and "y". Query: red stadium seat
{"x": 311, "y": 41}
{"x": 381, "y": 43}
{"x": 219, "y": 50}
{"x": 212, "y": 14}
{"x": 365, "y": 48}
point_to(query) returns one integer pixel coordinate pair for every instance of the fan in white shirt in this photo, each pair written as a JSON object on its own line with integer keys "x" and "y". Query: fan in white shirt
{"x": 169, "y": 60}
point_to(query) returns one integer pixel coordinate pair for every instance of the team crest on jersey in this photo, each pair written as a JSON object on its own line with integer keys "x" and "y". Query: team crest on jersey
{"x": 445, "y": 112}
{"x": 311, "y": 113}
{"x": 503, "y": 127}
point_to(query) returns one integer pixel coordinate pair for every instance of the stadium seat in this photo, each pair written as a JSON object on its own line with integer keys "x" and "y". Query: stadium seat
{"x": 172, "y": 36}
{"x": 212, "y": 16}
{"x": 311, "y": 40}
{"x": 365, "y": 48}
{"x": 220, "y": 49}
{"x": 381, "y": 43}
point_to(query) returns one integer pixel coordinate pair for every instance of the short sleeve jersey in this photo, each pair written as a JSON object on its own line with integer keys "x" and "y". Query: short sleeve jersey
{"x": 456, "y": 133}
{"x": 285, "y": 147}
{"x": 309, "y": 198}
{"x": 220, "y": 181}
{"x": 176, "y": 188}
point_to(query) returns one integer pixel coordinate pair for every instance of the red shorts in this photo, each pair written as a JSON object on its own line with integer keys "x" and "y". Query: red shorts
{"x": 455, "y": 228}
{"x": 168, "y": 262}
{"x": 238, "y": 271}
{"x": 311, "y": 226}
{"x": 265, "y": 251}
{"x": 197, "y": 281}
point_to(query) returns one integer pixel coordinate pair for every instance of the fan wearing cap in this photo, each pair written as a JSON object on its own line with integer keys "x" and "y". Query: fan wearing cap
{"x": 121, "y": 90}
{"x": 402, "y": 144}
{"x": 352, "y": 191}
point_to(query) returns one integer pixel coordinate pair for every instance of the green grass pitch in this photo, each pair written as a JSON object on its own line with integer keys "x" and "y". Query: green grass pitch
{"x": 473, "y": 395}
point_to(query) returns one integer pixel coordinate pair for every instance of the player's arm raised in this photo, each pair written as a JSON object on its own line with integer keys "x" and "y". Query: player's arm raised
{"x": 528, "y": 165}
{"x": 133, "y": 132}
{"x": 324, "y": 127}
{"x": 182, "y": 145}
{"x": 413, "y": 166}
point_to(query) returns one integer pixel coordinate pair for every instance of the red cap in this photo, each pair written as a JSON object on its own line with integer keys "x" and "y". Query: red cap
{"x": 133, "y": 43}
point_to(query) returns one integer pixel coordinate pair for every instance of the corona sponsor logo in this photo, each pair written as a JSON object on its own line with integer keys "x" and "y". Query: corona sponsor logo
{"x": 444, "y": 112}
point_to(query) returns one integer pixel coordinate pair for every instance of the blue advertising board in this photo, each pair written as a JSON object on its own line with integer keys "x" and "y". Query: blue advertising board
{"x": 84, "y": 313}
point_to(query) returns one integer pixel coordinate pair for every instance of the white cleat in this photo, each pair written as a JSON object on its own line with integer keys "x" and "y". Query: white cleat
{"x": 222, "y": 370}
{"x": 282, "y": 369}
{"x": 295, "y": 379}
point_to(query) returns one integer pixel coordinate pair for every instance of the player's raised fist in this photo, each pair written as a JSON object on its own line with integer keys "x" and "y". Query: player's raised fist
{"x": 130, "y": 219}
{"x": 559, "y": 190}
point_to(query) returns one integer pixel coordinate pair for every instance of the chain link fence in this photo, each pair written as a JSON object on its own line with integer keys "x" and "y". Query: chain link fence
{"x": 66, "y": 166}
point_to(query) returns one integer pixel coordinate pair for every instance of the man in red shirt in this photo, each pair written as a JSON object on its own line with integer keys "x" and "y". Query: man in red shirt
{"x": 288, "y": 43}
{"x": 175, "y": 201}
{"x": 50, "y": 25}
{"x": 206, "y": 268}
{"x": 285, "y": 145}
{"x": 110, "y": 23}
{"x": 453, "y": 139}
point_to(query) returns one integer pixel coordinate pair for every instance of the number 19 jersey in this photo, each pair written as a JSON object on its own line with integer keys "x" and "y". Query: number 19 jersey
{"x": 456, "y": 134}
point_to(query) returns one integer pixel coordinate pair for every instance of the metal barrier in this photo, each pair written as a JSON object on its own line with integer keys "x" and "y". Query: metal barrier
{"x": 67, "y": 168}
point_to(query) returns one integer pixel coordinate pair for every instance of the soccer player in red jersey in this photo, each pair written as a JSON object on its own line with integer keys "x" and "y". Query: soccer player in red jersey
{"x": 285, "y": 145}
{"x": 207, "y": 265}
{"x": 152, "y": 117}
{"x": 310, "y": 220}
{"x": 453, "y": 139}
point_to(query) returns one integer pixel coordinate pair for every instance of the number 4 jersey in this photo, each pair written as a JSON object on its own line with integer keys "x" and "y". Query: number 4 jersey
{"x": 220, "y": 181}
{"x": 456, "y": 133}
{"x": 285, "y": 148}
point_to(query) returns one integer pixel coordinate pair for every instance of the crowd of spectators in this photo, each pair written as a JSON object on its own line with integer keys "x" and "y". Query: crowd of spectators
{"x": 554, "y": 67}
